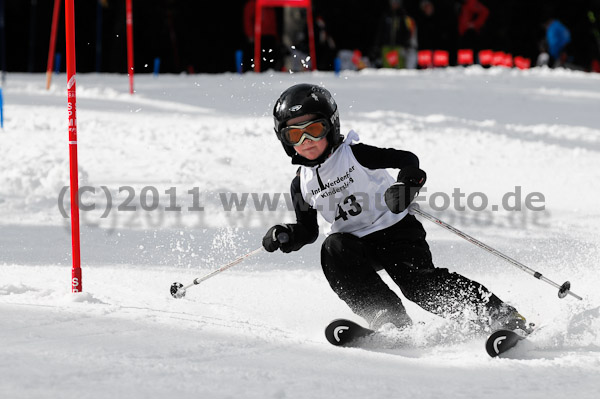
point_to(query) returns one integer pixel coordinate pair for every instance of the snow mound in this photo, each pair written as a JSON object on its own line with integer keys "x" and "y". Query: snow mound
{"x": 15, "y": 289}
{"x": 82, "y": 297}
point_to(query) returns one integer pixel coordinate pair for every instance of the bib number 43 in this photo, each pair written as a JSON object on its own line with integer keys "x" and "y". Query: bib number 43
{"x": 353, "y": 208}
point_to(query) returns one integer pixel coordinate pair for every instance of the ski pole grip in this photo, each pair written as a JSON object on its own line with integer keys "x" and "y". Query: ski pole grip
{"x": 283, "y": 237}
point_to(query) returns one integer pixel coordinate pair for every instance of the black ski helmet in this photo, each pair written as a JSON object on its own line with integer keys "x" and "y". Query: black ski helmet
{"x": 304, "y": 99}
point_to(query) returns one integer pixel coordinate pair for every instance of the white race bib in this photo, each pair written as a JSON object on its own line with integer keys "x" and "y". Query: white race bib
{"x": 348, "y": 195}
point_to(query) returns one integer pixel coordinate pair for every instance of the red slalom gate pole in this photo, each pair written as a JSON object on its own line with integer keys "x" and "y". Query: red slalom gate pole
{"x": 76, "y": 284}
{"x": 129, "y": 18}
{"x": 52, "y": 43}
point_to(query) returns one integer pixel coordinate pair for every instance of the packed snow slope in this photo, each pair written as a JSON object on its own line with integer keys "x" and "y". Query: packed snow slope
{"x": 162, "y": 170}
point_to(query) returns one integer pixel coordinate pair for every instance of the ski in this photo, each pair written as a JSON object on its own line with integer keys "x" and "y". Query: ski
{"x": 502, "y": 340}
{"x": 342, "y": 332}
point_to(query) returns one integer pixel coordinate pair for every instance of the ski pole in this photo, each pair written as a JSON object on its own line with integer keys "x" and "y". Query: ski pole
{"x": 563, "y": 290}
{"x": 178, "y": 290}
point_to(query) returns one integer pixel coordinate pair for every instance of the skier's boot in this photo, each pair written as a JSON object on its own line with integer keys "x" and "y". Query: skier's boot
{"x": 507, "y": 318}
{"x": 386, "y": 319}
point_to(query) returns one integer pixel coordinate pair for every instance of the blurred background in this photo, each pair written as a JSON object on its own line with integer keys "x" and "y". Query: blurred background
{"x": 194, "y": 36}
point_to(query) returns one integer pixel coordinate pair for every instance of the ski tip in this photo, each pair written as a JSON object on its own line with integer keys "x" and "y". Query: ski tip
{"x": 334, "y": 332}
{"x": 501, "y": 341}
{"x": 342, "y": 332}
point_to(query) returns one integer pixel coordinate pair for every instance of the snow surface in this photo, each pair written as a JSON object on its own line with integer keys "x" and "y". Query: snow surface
{"x": 256, "y": 330}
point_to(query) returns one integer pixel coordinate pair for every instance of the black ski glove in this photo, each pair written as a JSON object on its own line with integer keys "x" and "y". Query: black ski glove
{"x": 279, "y": 236}
{"x": 399, "y": 195}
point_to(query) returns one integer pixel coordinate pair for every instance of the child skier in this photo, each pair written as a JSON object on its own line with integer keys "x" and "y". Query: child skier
{"x": 348, "y": 184}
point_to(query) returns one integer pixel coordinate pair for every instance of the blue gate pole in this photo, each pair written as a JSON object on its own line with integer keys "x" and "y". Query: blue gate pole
{"x": 337, "y": 66}
{"x": 57, "y": 63}
{"x": 239, "y": 56}
{"x": 156, "y": 66}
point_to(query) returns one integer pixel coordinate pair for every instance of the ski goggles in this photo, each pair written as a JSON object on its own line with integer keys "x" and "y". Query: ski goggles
{"x": 313, "y": 130}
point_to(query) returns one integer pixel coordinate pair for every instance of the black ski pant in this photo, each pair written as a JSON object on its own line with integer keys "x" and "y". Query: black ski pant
{"x": 351, "y": 263}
